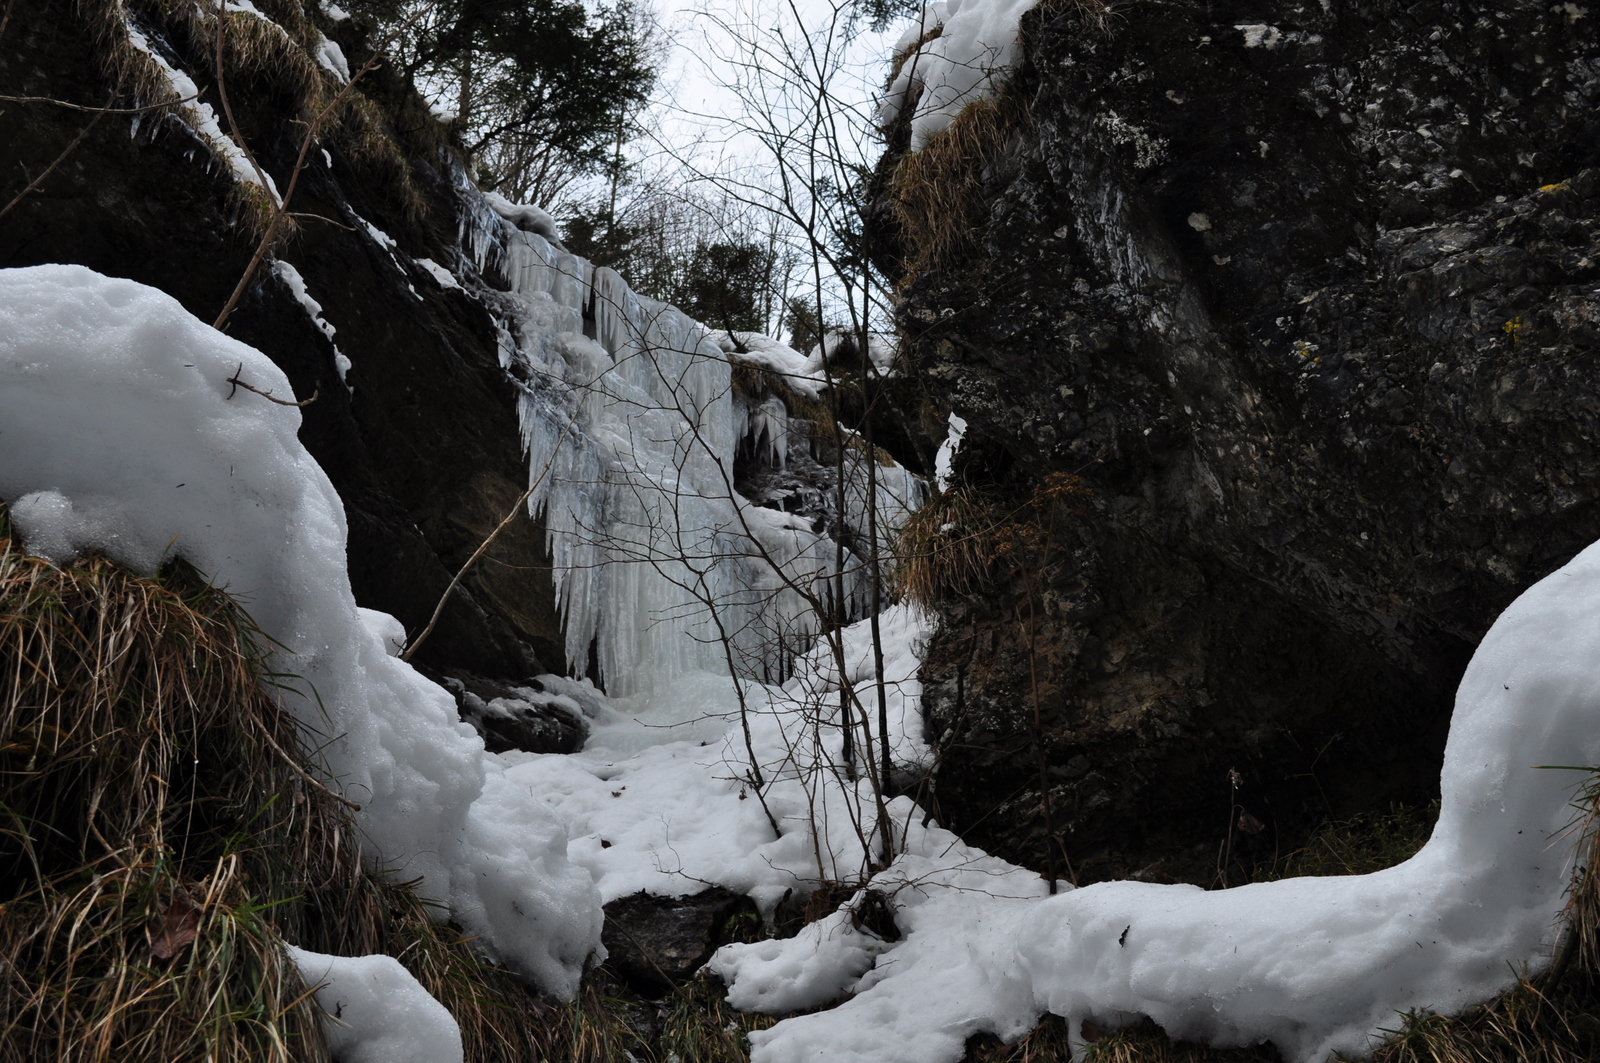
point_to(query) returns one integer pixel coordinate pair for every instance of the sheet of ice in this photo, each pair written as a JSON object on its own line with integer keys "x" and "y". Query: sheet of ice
{"x": 942, "y": 461}
{"x": 968, "y": 61}
{"x": 120, "y": 436}
{"x": 374, "y": 1011}
{"x": 297, "y": 287}
{"x": 1315, "y": 965}
{"x": 201, "y": 118}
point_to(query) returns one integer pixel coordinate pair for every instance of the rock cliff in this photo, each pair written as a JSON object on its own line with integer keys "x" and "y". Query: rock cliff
{"x": 1305, "y": 295}
{"x": 423, "y": 443}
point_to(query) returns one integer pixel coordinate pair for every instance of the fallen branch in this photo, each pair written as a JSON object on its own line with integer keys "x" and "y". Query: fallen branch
{"x": 97, "y": 110}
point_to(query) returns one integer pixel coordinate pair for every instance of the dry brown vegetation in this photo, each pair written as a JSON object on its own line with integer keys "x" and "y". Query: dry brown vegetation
{"x": 964, "y": 539}
{"x": 938, "y": 192}
{"x": 160, "y": 840}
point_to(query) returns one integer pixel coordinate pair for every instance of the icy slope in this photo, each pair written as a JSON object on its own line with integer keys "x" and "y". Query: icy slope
{"x": 122, "y": 433}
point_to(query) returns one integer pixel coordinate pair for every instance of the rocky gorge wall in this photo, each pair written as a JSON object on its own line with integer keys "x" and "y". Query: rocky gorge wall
{"x": 423, "y": 445}
{"x": 1306, "y": 296}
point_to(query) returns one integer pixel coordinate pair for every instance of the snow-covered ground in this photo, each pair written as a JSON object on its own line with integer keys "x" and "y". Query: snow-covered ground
{"x": 122, "y": 433}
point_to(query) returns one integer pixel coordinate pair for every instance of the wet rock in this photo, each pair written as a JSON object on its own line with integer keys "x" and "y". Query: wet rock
{"x": 656, "y": 943}
{"x": 528, "y": 717}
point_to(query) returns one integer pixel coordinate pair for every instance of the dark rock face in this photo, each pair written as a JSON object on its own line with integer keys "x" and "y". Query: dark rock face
{"x": 1318, "y": 324}
{"x": 424, "y": 450}
{"x": 656, "y": 943}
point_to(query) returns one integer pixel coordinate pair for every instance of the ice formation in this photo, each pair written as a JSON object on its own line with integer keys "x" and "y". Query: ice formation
{"x": 121, "y": 436}
{"x": 974, "y": 51}
{"x": 374, "y": 1011}
{"x": 659, "y": 563}
{"x": 1315, "y": 965}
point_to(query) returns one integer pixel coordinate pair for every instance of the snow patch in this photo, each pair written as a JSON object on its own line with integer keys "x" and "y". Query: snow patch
{"x": 974, "y": 53}
{"x": 331, "y": 58}
{"x": 297, "y": 287}
{"x": 374, "y": 1011}
{"x": 1260, "y": 35}
{"x": 445, "y": 278}
{"x": 943, "y": 466}
{"x": 524, "y": 216}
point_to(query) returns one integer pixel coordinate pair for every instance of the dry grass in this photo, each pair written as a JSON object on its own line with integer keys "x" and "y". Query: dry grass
{"x": 963, "y": 540}
{"x": 938, "y": 192}
{"x": 144, "y": 765}
{"x": 276, "y": 87}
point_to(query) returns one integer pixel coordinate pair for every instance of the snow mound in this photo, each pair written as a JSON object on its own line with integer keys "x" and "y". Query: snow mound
{"x": 123, "y": 434}
{"x": 1315, "y": 965}
{"x": 776, "y": 357}
{"x": 375, "y": 1012}
{"x": 524, "y": 216}
{"x": 975, "y": 50}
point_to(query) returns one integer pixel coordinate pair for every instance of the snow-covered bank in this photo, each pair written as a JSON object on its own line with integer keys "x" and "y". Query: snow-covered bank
{"x": 122, "y": 433}
{"x": 1315, "y": 965}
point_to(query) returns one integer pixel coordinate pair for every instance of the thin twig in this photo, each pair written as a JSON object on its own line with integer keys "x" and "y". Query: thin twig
{"x": 37, "y": 181}
{"x": 95, "y": 110}
{"x": 237, "y": 383}
{"x": 298, "y": 770}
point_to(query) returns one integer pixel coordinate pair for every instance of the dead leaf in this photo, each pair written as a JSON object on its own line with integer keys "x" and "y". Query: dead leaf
{"x": 175, "y": 928}
{"x": 1250, "y": 824}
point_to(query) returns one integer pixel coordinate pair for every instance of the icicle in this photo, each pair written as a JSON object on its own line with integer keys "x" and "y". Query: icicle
{"x": 657, "y": 562}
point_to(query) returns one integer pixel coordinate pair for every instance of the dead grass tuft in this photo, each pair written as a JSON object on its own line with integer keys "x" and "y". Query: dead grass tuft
{"x": 961, "y": 541}
{"x": 938, "y": 193}
{"x": 160, "y": 840}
